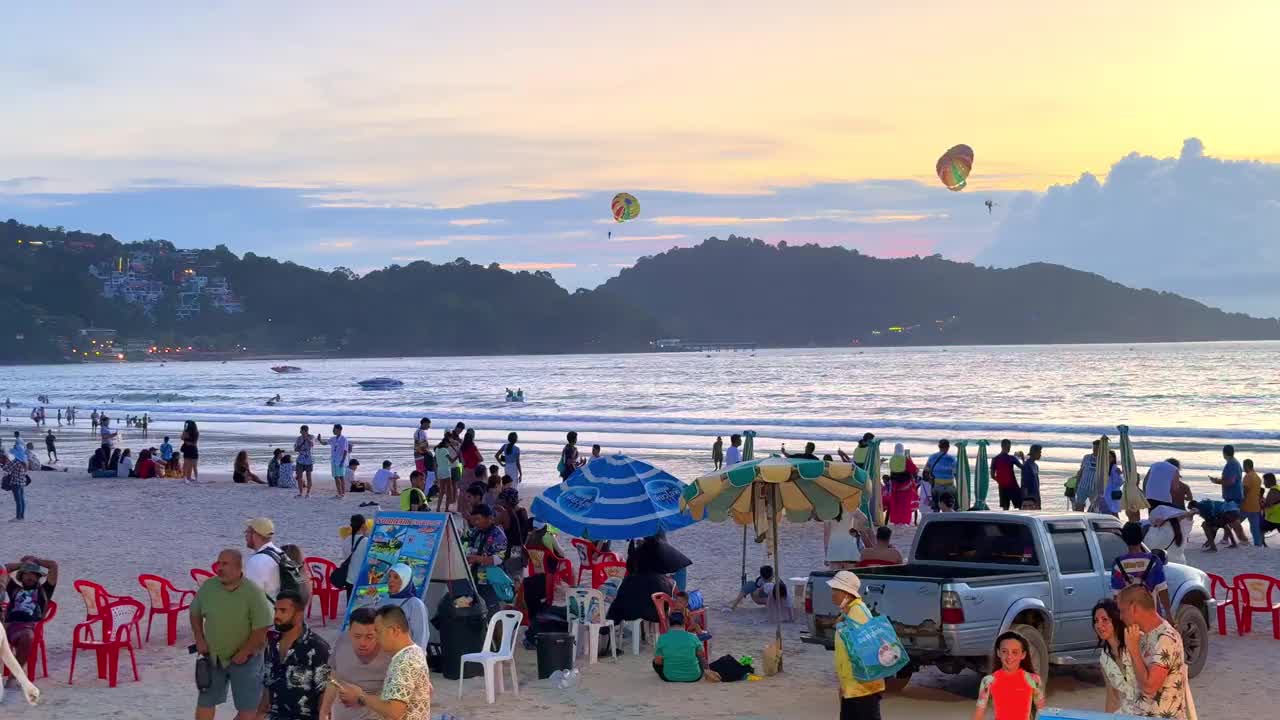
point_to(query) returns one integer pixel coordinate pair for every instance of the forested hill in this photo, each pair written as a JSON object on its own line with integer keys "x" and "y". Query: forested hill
{"x": 741, "y": 290}
{"x": 54, "y": 283}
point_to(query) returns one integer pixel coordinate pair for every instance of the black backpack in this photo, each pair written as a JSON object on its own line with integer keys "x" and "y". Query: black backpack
{"x": 290, "y": 572}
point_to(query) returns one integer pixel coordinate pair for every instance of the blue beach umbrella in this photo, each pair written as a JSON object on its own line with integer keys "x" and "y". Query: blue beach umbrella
{"x": 614, "y": 498}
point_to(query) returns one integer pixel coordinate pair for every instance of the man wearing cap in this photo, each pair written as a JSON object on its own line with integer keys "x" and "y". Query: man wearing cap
{"x": 30, "y": 587}
{"x": 229, "y": 619}
{"x": 858, "y": 700}
{"x": 262, "y": 567}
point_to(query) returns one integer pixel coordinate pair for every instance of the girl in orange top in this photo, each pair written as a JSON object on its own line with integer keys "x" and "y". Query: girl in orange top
{"x": 1012, "y": 688}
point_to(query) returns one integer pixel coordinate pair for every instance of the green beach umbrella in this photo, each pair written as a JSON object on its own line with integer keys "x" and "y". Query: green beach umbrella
{"x": 1134, "y": 500}
{"x": 981, "y": 478}
{"x": 964, "y": 478}
{"x": 758, "y": 492}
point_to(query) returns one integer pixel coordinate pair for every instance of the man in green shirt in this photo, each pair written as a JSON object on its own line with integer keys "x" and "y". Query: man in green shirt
{"x": 678, "y": 656}
{"x": 229, "y": 619}
{"x": 415, "y": 498}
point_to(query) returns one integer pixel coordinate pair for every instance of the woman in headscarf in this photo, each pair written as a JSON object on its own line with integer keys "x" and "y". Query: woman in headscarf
{"x": 400, "y": 583}
{"x": 902, "y": 480}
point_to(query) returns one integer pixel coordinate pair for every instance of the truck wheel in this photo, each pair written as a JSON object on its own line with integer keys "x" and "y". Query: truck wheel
{"x": 1195, "y": 637}
{"x": 899, "y": 681}
{"x": 1039, "y": 651}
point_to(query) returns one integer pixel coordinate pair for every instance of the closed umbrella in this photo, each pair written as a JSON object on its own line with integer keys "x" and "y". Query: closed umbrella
{"x": 614, "y": 498}
{"x": 1101, "y": 473}
{"x": 1134, "y": 500}
{"x": 762, "y": 490}
{"x": 871, "y": 466}
{"x": 964, "y": 478}
{"x": 981, "y": 478}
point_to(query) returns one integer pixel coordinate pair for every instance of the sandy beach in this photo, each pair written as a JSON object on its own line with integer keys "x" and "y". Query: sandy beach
{"x": 110, "y": 531}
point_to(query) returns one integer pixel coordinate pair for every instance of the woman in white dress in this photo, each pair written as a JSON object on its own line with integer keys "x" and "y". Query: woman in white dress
{"x": 1117, "y": 666}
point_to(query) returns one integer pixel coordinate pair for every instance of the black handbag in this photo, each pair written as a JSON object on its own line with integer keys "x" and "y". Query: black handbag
{"x": 204, "y": 673}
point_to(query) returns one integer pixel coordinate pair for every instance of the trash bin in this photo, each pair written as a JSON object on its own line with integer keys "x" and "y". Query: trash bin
{"x": 555, "y": 652}
{"x": 462, "y": 631}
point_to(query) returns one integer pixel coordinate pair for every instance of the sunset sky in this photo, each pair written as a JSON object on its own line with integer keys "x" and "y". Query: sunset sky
{"x": 334, "y": 134}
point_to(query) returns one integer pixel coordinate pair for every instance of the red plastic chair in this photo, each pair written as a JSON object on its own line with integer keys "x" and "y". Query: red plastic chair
{"x": 322, "y": 588}
{"x": 609, "y": 557}
{"x": 116, "y": 625}
{"x": 1257, "y": 594}
{"x": 662, "y": 602}
{"x": 1232, "y": 600}
{"x": 198, "y": 576}
{"x": 38, "y": 648}
{"x": 166, "y": 600}
{"x": 606, "y": 569}
{"x": 587, "y": 554}
{"x": 95, "y": 598}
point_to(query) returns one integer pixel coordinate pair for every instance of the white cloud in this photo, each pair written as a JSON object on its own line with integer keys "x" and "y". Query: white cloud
{"x": 647, "y": 238}
{"x": 438, "y": 242}
{"x": 472, "y": 222}
{"x": 1196, "y": 225}
{"x": 538, "y": 266}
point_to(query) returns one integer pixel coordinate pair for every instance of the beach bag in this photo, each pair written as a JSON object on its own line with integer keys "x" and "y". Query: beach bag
{"x": 874, "y": 649}
{"x": 501, "y": 583}
{"x": 1071, "y": 485}
{"x": 730, "y": 669}
{"x": 338, "y": 578}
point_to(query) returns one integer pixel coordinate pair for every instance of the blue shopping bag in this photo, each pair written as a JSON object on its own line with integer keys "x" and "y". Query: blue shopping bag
{"x": 874, "y": 649}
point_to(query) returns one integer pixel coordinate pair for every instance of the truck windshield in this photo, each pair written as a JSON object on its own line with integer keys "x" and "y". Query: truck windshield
{"x": 991, "y": 543}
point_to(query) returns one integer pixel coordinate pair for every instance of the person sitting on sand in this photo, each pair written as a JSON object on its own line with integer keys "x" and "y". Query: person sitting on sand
{"x": 241, "y": 473}
{"x": 758, "y": 590}
{"x": 288, "y": 473}
{"x": 1217, "y": 515}
{"x": 146, "y": 467}
{"x": 678, "y": 655}
{"x": 273, "y": 468}
{"x": 883, "y": 551}
{"x": 386, "y": 481}
{"x": 354, "y": 485}
{"x": 124, "y": 468}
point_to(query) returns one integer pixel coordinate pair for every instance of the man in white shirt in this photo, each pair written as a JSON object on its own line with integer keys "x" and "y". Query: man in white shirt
{"x": 339, "y": 450}
{"x": 421, "y": 445}
{"x": 261, "y": 567}
{"x": 386, "y": 480}
{"x": 733, "y": 455}
{"x": 1158, "y": 486}
{"x": 108, "y": 435}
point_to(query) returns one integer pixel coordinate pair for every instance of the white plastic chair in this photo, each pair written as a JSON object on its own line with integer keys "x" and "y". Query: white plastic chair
{"x": 510, "y": 621}
{"x": 585, "y": 610}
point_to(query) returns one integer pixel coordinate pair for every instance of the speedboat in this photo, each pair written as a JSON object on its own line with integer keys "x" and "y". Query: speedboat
{"x": 285, "y": 369}
{"x": 380, "y": 383}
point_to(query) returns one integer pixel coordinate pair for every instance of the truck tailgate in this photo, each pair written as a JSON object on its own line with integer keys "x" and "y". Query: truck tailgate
{"x": 913, "y": 605}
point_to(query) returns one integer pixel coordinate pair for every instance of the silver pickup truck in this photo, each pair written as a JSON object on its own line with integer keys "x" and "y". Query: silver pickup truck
{"x": 974, "y": 575}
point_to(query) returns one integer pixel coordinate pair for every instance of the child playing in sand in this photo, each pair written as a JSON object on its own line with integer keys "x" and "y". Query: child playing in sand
{"x": 680, "y": 604}
{"x": 1014, "y": 687}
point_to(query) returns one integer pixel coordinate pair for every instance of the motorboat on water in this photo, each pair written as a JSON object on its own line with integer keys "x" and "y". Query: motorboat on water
{"x": 380, "y": 383}
{"x": 286, "y": 369}
{"x": 515, "y": 396}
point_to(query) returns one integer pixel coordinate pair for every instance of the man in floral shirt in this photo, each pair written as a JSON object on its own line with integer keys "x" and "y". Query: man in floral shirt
{"x": 296, "y": 670}
{"x": 406, "y": 693}
{"x": 1159, "y": 663}
{"x": 486, "y": 546}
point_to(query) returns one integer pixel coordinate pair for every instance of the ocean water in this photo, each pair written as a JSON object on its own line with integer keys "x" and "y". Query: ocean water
{"x": 1182, "y": 400}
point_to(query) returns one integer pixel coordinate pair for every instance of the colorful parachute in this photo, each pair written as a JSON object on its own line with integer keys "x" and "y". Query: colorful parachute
{"x": 954, "y": 166}
{"x": 625, "y": 207}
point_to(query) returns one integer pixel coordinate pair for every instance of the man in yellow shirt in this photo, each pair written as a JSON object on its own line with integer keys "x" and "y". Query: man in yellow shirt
{"x": 858, "y": 700}
{"x": 1252, "y": 505}
{"x": 1270, "y": 507}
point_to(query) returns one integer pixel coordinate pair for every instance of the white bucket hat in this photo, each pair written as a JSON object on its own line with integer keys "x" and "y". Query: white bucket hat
{"x": 847, "y": 582}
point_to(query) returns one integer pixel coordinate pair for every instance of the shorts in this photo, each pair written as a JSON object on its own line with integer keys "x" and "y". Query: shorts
{"x": 420, "y": 464}
{"x": 1011, "y": 495}
{"x": 866, "y": 707}
{"x": 338, "y": 469}
{"x": 304, "y": 467}
{"x": 245, "y": 682}
{"x": 455, "y": 474}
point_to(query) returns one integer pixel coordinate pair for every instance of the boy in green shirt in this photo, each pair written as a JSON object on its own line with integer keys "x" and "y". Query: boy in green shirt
{"x": 678, "y": 655}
